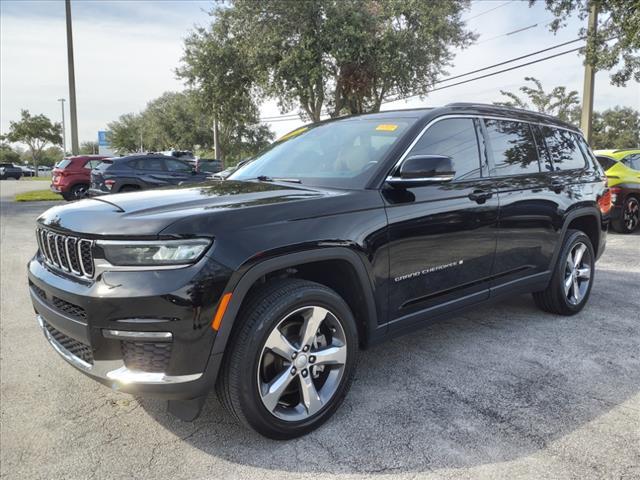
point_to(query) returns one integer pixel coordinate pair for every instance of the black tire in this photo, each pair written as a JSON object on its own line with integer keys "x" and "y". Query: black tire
{"x": 239, "y": 381}
{"x": 629, "y": 217}
{"x": 555, "y": 298}
{"x": 77, "y": 192}
{"x": 128, "y": 188}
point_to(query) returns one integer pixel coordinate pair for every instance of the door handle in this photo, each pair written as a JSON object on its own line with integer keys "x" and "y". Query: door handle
{"x": 557, "y": 186}
{"x": 480, "y": 196}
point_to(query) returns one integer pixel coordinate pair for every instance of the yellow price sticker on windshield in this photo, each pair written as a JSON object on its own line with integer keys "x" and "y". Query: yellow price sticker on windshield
{"x": 386, "y": 127}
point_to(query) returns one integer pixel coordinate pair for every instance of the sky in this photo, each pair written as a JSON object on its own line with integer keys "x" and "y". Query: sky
{"x": 126, "y": 53}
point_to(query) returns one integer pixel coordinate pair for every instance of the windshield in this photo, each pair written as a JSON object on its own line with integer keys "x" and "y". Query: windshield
{"x": 340, "y": 154}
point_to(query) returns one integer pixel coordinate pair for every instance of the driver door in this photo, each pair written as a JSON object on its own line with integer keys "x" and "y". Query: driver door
{"x": 442, "y": 235}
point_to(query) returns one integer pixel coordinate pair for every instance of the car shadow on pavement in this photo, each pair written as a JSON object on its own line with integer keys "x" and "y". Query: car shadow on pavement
{"x": 493, "y": 385}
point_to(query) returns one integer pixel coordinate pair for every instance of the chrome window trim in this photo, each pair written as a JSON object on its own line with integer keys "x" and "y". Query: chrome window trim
{"x": 470, "y": 116}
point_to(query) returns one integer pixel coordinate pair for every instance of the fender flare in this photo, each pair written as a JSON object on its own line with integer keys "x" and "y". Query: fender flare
{"x": 247, "y": 280}
{"x": 590, "y": 211}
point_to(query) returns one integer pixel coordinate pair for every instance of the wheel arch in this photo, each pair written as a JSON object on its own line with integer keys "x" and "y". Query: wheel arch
{"x": 586, "y": 219}
{"x": 348, "y": 276}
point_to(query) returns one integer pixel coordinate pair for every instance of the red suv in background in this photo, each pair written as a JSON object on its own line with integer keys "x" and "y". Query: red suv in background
{"x": 72, "y": 175}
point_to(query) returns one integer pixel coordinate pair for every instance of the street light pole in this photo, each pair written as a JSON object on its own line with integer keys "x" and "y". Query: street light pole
{"x": 64, "y": 129}
{"x": 72, "y": 82}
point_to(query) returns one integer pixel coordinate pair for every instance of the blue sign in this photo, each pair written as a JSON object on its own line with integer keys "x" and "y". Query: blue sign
{"x": 102, "y": 138}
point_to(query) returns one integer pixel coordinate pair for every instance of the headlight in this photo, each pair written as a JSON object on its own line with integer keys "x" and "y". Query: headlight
{"x": 157, "y": 252}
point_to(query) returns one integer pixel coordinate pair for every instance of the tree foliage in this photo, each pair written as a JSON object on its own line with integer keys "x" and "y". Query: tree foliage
{"x": 559, "y": 102}
{"x": 36, "y": 131}
{"x": 617, "y": 41}
{"x": 339, "y": 56}
{"x": 89, "y": 148}
{"x": 124, "y": 134}
{"x": 182, "y": 121}
{"x": 8, "y": 154}
{"x": 617, "y": 127}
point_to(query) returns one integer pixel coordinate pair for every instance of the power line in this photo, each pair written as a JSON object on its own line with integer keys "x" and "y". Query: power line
{"x": 494, "y": 73}
{"x": 490, "y": 10}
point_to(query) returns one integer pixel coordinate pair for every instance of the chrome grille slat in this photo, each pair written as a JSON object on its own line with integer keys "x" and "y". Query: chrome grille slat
{"x": 67, "y": 253}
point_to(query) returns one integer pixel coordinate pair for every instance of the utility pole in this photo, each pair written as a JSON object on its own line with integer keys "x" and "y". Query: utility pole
{"x": 216, "y": 140}
{"x": 72, "y": 83}
{"x": 64, "y": 129}
{"x": 589, "y": 77}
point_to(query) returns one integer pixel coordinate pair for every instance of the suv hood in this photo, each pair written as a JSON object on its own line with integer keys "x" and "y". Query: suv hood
{"x": 149, "y": 212}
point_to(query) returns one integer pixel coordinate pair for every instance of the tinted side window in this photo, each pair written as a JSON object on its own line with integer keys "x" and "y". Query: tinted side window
{"x": 456, "y": 138}
{"x": 91, "y": 164}
{"x": 148, "y": 164}
{"x": 563, "y": 148}
{"x": 177, "y": 166}
{"x": 632, "y": 161}
{"x": 514, "y": 150}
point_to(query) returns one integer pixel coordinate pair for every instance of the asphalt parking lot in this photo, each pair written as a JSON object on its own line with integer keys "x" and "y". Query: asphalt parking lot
{"x": 503, "y": 392}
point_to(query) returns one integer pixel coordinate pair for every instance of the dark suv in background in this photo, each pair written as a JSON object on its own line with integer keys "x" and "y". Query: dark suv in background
{"x": 345, "y": 234}
{"x": 142, "y": 172}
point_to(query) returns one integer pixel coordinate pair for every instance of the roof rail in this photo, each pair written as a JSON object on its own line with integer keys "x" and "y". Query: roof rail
{"x": 499, "y": 107}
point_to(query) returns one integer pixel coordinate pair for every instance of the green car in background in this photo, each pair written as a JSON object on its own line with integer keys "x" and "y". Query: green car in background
{"x": 622, "y": 168}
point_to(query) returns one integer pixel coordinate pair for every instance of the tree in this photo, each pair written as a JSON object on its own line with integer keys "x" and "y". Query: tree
{"x": 36, "y": 132}
{"x": 181, "y": 121}
{"x": 618, "y": 34}
{"x": 8, "y": 154}
{"x": 559, "y": 102}
{"x": 89, "y": 148}
{"x": 617, "y": 127}
{"x": 221, "y": 81}
{"x": 346, "y": 56}
{"x": 125, "y": 134}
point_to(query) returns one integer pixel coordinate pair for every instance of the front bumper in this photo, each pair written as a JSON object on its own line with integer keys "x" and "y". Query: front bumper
{"x": 137, "y": 332}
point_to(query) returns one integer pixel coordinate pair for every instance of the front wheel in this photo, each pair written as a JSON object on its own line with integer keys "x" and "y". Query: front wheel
{"x": 570, "y": 285}
{"x": 630, "y": 218}
{"x": 290, "y": 363}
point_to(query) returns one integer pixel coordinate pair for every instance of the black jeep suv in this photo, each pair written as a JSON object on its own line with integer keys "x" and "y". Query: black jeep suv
{"x": 343, "y": 234}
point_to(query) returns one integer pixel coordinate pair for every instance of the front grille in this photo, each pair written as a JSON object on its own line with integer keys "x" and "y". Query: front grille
{"x": 68, "y": 253}
{"x": 146, "y": 356}
{"x": 73, "y": 346}
{"x": 69, "y": 308}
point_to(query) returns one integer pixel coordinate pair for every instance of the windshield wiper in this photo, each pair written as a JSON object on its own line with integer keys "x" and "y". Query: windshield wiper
{"x": 264, "y": 178}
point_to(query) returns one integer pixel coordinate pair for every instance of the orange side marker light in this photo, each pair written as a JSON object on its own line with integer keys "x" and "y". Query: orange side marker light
{"x": 222, "y": 307}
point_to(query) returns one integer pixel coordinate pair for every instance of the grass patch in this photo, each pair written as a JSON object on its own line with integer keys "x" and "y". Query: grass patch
{"x": 36, "y": 179}
{"x": 38, "y": 196}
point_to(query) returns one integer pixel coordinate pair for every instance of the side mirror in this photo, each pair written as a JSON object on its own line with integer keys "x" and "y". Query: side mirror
{"x": 418, "y": 170}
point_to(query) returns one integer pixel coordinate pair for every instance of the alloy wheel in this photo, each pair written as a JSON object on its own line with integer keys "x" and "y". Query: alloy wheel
{"x": 302, "y": 363}
{"x": 631, "y": 214}
{"x": 80, "y": 191}
{"x": 577, "y": 274}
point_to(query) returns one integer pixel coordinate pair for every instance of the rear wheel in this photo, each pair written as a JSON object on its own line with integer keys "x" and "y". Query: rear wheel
{"x": 290, "y": 364}
{"x": 77, "y": 192}
{"x": 128, "y": 188}
{"x": 570, "y": 285}
{"x": 630, "y": 218}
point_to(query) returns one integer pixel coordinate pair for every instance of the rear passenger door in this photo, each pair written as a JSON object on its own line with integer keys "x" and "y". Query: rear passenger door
{"x": 152, "y": 172}
{"x": 178, "y": 171}
{"x": 529, "y": 215}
